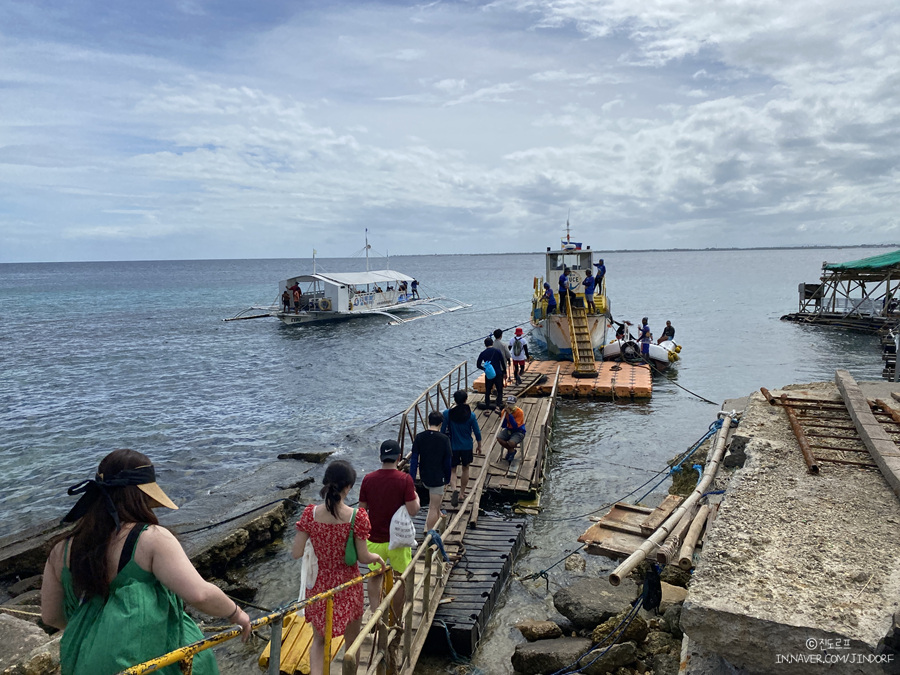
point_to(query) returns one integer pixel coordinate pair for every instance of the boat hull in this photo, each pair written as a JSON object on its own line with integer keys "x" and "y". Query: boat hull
{"x": 660, "y": 355}
{"x": 552, "y": 333}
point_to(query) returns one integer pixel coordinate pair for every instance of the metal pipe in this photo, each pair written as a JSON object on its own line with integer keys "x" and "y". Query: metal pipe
{"x": 275, "y": 648}
{"x": 801, "y": 437}
{"x": 663, "y": 531}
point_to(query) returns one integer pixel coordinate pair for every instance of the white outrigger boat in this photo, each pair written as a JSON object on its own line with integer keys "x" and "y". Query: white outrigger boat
{"x": 335, "y": 296}
{"x": 554, "y": 331}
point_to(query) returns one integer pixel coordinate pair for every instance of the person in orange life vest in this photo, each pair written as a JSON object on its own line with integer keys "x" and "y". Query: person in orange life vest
{"x": 512, "y": 428}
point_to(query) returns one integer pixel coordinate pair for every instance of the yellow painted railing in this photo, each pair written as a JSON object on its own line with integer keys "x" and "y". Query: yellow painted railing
{"x": 185, "y": 655}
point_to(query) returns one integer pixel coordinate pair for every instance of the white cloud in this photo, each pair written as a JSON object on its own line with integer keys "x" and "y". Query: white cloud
{"x": 693, "y": 123}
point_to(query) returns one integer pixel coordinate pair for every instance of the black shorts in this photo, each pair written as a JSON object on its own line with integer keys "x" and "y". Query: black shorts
{"x": 463, "y": 457}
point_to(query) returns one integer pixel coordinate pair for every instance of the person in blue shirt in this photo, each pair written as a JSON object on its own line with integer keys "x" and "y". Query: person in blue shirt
{"x": 601, "y": 272}
{"x": 551, "y": 299}
{"x": 588, "y": 284}
{"x": 564, "y": 290}
{"x": 460, "y": 424}
{"x": 492, "y": 355}
{"x": 645, "y": 337}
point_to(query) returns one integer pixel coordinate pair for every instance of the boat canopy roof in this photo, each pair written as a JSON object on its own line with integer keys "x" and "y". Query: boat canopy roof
{"x": 876, "y": 262}
{"x": 353, "y": 278}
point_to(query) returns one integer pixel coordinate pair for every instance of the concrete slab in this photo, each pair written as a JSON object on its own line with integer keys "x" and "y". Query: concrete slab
{"x": 797, "y": 567}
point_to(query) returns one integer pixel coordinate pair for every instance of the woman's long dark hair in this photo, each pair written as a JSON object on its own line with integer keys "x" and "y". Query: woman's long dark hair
{"x": 461, "y": 412}
{"x": 339, "y": 475}
{"x": 94, "y": 532}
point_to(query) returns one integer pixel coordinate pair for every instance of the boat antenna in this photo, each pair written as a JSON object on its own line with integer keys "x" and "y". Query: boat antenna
{"x": 367, "y": 249}
{"x": 568, "y": 236}
{"x": 314, "y": 261}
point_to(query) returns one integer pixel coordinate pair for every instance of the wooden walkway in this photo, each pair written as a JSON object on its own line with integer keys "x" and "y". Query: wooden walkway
{"x": 613, "y": 380}
{"x": 461, "y": 592}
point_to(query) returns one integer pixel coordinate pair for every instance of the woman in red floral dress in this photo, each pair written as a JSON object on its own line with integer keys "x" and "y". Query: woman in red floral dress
{"x": 327, "y": 527}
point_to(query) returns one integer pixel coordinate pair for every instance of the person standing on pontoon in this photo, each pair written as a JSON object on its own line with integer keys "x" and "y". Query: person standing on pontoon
{"x": 492, "y": 356}
{"x": 645, "y": 337}
{"x": 415, "y": 289}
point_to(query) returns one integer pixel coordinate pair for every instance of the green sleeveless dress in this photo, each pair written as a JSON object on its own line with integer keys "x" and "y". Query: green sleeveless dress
{"x": 140, "y": 620}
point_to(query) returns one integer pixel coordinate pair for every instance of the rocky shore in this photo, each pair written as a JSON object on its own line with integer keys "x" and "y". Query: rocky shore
{"x": 220, "y": 534}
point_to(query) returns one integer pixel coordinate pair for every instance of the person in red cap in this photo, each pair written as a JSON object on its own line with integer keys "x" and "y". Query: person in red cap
{"x": 518, "y": 351}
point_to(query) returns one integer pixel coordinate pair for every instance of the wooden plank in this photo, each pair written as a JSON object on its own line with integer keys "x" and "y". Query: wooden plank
{"x": 659, "y": 515}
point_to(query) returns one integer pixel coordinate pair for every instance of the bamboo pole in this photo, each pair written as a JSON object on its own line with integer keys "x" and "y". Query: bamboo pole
{"x": 686, "y": 555}
{"x": 663, "y": 531}
{"x": 672, "y": 544}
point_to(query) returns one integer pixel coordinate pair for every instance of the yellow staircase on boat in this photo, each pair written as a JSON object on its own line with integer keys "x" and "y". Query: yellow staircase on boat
{"x": 580, "y": 337}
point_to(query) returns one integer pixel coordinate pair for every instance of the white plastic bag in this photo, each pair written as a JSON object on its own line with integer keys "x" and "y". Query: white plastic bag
{"x": 403, "y": 532}
{"x": 309, "y": 569}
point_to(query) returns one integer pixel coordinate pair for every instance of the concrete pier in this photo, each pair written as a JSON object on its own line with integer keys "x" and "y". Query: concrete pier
{"x": 799, "y": 573}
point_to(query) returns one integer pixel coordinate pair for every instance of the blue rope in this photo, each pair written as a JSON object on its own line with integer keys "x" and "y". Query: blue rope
{"x": 456, "y": 657}
{"x": 436, "y": 538}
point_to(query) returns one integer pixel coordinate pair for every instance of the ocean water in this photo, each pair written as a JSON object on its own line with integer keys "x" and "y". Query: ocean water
{"x": 95, "y": 356}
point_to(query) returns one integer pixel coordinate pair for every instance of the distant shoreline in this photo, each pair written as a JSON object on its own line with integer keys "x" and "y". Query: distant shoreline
{"x": 419, "y": 255}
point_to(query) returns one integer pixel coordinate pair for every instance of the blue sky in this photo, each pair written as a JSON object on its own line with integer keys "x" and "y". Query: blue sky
{"x": 199, "y": 129}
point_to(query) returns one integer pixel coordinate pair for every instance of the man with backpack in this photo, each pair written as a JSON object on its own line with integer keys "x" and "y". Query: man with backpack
{"x": 518, "y": 350}
{"x": 490, "y": 360}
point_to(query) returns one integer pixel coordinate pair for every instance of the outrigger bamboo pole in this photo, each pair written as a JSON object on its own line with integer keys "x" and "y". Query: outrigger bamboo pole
{"x": 672, "y": 544}
{"x": 666, "y": 528}
{"x": 686, "y": 555}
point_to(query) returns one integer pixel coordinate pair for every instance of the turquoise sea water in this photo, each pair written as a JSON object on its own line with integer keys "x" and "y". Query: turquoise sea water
{"x": 95, "y": 356}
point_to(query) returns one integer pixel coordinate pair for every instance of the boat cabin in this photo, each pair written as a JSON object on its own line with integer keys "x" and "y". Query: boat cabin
{"x": 349, "y": 291}
{"x": 571, "y": 256}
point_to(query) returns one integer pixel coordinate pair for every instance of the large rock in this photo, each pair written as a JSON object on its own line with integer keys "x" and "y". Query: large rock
{"x": 589, "y": 602}
{"x": 548, "y": 656}
{"x": 660, "y": 642}
{"x": 672, "y": 621}
{"x": 19, "y": 639}
{"x": 539, "y": 630}
{"x": 618, "y": 655}
{"x": 671, "y": 595}
{"x": 635, "y": 632}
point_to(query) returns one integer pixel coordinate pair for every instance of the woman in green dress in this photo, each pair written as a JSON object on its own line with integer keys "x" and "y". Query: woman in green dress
{"x": 118, "y": 582}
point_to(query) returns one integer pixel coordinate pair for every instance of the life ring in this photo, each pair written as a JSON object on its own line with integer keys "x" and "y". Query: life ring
{"x": 631, "y": 352}
{"x": 325, "y": 304}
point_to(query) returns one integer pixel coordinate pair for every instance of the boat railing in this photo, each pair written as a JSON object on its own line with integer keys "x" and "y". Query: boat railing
{"x": 438, "y": 396}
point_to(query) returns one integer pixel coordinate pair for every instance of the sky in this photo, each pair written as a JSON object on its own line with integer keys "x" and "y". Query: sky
{"x": 192, "y": 129}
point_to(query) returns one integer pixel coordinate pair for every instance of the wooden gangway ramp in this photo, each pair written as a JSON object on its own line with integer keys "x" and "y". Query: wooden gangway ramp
{"x": 454, "y": 596}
